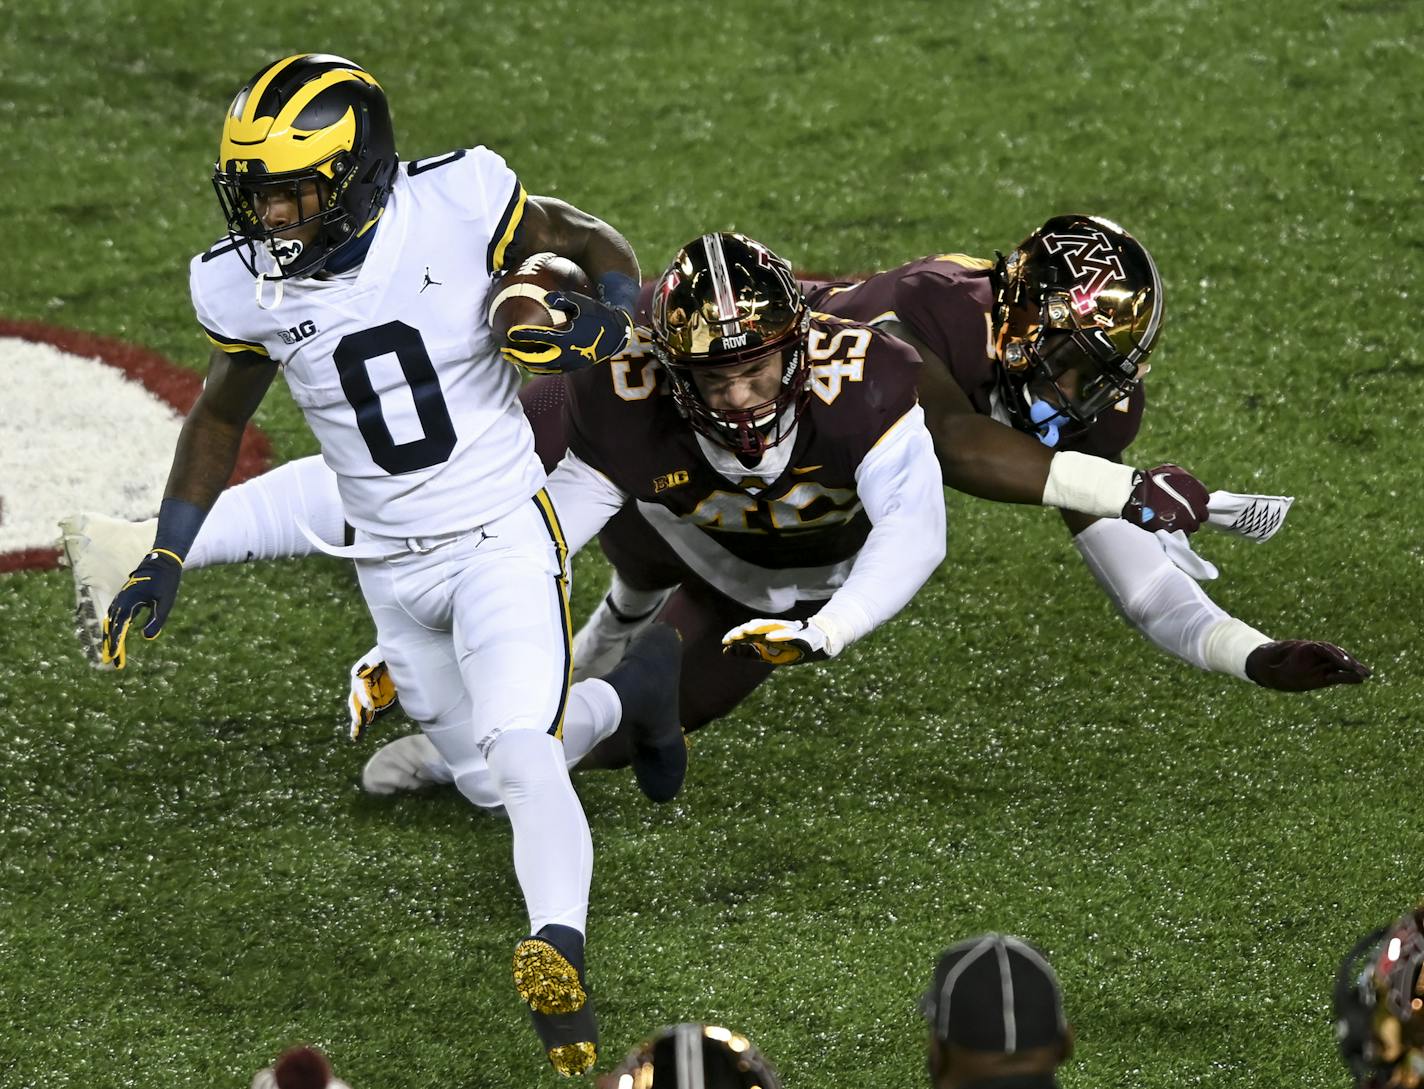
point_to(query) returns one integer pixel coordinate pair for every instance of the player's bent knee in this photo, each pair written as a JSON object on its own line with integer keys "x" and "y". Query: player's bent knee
{"x": 527, "y": 764}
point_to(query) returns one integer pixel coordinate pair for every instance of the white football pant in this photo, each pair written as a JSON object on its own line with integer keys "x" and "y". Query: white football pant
{"x": 475, "y": 630}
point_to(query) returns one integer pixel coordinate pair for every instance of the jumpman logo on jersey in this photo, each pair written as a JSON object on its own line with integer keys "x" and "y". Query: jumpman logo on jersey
{"x": 485, "y": 537}
{"x": 428, "y": 282}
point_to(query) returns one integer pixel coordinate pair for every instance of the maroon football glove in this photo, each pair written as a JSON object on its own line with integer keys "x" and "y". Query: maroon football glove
{"x": 1166, "y": 497}
{"x": 1298, "y": 665}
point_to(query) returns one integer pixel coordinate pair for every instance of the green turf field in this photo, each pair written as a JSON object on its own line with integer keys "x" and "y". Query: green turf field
{"x": 191, "y": 879}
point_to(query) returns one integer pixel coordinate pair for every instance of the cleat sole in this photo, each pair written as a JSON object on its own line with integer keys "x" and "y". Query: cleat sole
{"x": 545, "y": 979}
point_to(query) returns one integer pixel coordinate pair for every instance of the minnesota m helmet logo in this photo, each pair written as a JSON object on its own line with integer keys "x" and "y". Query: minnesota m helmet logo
{"x": 778, "y": 268}
{"x": 1091, "y": 260}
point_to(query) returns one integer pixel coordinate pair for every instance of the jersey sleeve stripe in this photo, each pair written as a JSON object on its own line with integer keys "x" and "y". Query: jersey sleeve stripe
{"x": 504, "y": 231}
{"x": 894, "y": 427}
{"x": 963, "y": 260}
{"x": 232, "y": 346}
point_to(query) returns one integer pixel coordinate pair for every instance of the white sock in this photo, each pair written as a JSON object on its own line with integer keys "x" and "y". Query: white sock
{"x": 593, "y": 713}
{"x": 257, "y": 520}
{"x": 631, "y": 604}
{"x": 553, "y": 851}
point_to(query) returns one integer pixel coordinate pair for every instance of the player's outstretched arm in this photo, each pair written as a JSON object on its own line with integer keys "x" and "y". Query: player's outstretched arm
{"x": 899, "y": 484}
{"x": 203, "y": 463}
{"x": 1168, "y": 607}
{"x": 977, "y": 455}
{"x": 596, "y": 329}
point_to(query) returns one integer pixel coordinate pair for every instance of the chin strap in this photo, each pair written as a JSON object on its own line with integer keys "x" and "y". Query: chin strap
{"x": 277, "y": 296}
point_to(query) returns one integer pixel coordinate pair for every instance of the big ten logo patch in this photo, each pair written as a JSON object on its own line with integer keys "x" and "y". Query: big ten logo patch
{"x": 670, "y": 480}
{"x": 298, "y": 333}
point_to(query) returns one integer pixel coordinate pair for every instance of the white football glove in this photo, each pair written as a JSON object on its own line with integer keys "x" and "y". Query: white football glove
{"x": 1257, "y": 517}
{"x": 781, "y": 642}
{"x": 373, "y": 693}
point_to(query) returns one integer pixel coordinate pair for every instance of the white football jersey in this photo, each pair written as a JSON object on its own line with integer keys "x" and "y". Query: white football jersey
{"x": 393, "y": 363}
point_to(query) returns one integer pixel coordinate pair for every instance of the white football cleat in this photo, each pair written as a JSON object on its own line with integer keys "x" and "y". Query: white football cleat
{"x": 605, "y": 635}
{"x": 101, "y": 552}
{"x": 406, "y": 764}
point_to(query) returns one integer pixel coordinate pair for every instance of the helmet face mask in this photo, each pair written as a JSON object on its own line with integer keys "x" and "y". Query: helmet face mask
{"x": 1079, "y": 298}
{"x": 307, "y": 120}
{"x": 240, "y": 203}
{"x": 725, "y": 303}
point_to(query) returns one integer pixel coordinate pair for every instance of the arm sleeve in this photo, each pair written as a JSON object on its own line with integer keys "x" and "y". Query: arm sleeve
{"x": 899, "y": 484}
{"x": 583, "y": 498}
{"x": 1162, "y": 602}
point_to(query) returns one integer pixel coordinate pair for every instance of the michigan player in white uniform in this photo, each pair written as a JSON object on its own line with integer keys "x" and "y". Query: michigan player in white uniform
{"x": 365, "y": 281}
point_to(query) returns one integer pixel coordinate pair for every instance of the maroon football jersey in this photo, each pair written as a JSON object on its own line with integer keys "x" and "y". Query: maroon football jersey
{"x": 947, "y": 301}
{"x": 622, "y": 420}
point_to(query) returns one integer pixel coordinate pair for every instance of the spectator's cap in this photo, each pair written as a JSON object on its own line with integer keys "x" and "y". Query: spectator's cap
{"x": 995, "y": 993}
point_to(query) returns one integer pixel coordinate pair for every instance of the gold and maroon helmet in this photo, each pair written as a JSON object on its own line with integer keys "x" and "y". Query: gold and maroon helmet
{"x": 693, "y": 1056}
{"x": 1379, "y": 1006}
{"x": 727, "y": 300}
{"x": 308, "y": 119}
{"x": 1077, "y": 310}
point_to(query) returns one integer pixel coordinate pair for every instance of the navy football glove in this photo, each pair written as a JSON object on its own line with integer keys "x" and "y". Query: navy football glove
{"x": 1299, "y": 665}
{"x": 1166, "y": 497}
{"x": 595, "y": 333}
{"x": 153, "y": 585}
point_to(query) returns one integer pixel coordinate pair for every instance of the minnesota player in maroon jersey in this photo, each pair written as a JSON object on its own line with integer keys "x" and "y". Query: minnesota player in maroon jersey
{"x": 1054, "y": 340}
{"x": 771, "y": 465}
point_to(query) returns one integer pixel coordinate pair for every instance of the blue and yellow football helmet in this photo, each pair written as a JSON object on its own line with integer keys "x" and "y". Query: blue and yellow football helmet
{"x": 308, "y": 118}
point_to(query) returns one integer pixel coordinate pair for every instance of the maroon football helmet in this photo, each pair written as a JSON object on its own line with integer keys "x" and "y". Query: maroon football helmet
{"x": 727, "y": 300}
{"x": 1078, "y": 295}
